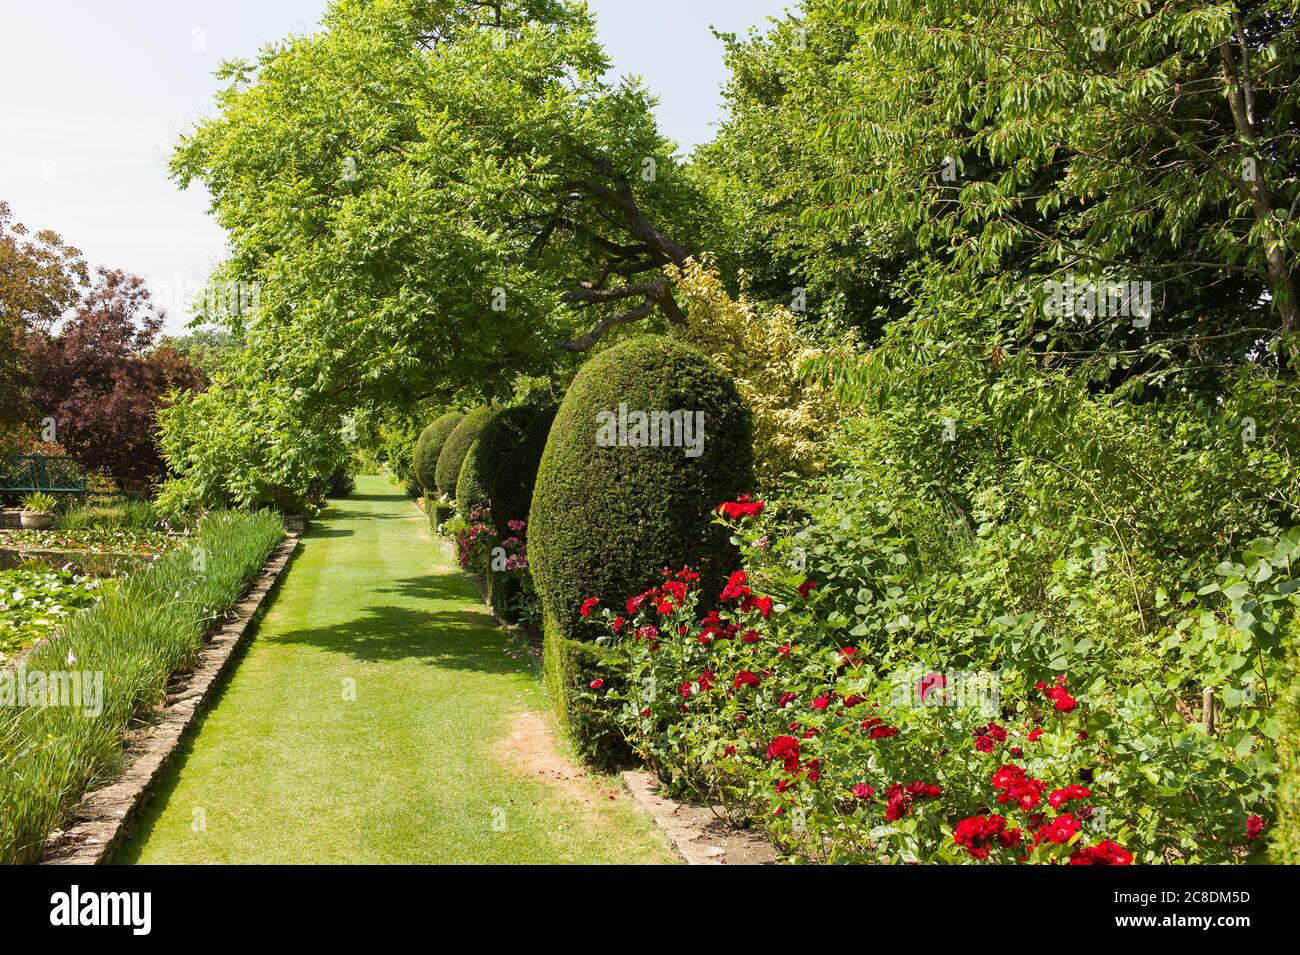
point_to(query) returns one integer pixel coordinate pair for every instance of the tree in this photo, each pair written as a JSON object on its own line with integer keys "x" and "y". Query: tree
{"x": 102, "y": 378}
{"x": 427, "y": 193}
{"x": 1024, "y": 142}
{"x": 41, "y": 277}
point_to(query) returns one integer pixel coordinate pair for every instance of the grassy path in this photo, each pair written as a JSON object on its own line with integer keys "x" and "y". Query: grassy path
{"x": 445, "y": 754}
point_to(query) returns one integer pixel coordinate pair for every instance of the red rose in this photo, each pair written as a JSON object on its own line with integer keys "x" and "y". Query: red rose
{"x": 746, "y": 678}
{"x": 897, "y": 805}
{"x": 821, "y": 702}
{"x": 1065, "y": 702}
{"x": 617, "y": 625}
{"x": 807, "y": 587}
{"x": 976, "y": 834}
{"x": 984, "y": 744}
{"x": 1033, "y": 737}
{"x": 741, "y": 507}
{"x": 1059, "y": 797}
{"x": 735, "y": 588}
{"x": 862, "y": 791}
{"x": 596, "y": 684}
{"x": 1254, "y": 826}
{"x": 929, "y": 682}
{"x": 786, "y": 749}
{"x": 1059, "y": 831}
{"x": 785, "y": 700}
{"x": 1103, "y": 853}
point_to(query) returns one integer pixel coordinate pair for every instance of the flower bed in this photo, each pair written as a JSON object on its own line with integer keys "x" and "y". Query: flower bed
{"x": 759, "y": 698}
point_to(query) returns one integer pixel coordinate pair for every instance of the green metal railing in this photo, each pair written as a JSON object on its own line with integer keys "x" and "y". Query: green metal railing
{"x": 43, "y": 472}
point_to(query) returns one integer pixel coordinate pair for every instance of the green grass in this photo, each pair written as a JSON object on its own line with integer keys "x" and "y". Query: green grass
{"x": 285, "y": 770}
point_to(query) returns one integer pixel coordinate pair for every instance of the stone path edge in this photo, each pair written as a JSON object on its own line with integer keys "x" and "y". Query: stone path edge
{"x": 102, "y": 819}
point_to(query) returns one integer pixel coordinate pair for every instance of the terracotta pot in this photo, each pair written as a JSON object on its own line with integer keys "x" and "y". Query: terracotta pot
{"x": 37, "y": 520}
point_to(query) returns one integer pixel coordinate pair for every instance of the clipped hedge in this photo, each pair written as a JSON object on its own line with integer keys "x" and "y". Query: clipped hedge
{"x": 457, "y": 445}
{"x": 512, "y": 489}
{"x": 429, "y": 446}
{"x": 606, "y": 520}
{"x": 500, "y": 440}
{"x": 569, "y": 667}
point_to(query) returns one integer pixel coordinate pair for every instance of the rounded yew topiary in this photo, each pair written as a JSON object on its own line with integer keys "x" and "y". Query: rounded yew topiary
{"x": 609, "y": 512}
{"x": 452, "y": 456}
{"x": 499, "y": 440}
{"x": 512, "y": 489}
{"x": 428, "y": 446}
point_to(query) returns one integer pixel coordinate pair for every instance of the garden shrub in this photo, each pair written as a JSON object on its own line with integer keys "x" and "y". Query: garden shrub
{"x": 574, "y": 670}
{"x": 428, "y": 447}
{"x": 604, "y": 519}
{"x": 762, "y": 349}
{"x": 457, "y": 445}
{"x": 512, "y": 488}
{"x": 773, "y": 709}
{"x": 500, "y": 440}
{"x": 1284, "y": 846}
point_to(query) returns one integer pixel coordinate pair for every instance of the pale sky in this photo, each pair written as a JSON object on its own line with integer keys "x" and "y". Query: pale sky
{"x": 94, "y": 93}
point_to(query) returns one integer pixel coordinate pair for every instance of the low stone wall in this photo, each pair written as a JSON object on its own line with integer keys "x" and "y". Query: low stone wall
{"x": 100, "y": 822}
{"x": 11, "y": 517}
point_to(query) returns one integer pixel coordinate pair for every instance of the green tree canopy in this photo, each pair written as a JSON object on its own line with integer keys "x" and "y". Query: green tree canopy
{"x": 968, "y": 153}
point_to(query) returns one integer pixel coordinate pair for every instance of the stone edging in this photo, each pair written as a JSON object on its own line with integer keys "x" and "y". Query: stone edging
{"x": 99, "y": 823}
{"x": 696, "y": 832}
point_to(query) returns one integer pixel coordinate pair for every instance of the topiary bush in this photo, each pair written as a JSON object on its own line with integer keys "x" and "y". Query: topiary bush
{"x": 499, "y": 441}
{"x": 605, "y": 520}
{"x": 429, "y": 446}
{"x": 457, "y": 445}
{"x": 512, "y": 489}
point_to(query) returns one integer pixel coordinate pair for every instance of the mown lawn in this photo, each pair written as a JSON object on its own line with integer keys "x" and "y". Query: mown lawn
{"x": 415, "y": 768}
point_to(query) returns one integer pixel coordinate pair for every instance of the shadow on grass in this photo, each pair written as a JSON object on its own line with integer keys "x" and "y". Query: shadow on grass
{"x": 452, "y": 639}
{"x": 448, "y": 639}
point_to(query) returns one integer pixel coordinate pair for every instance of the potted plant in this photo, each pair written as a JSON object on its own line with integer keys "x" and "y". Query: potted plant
{"x": 39, "y": 511}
